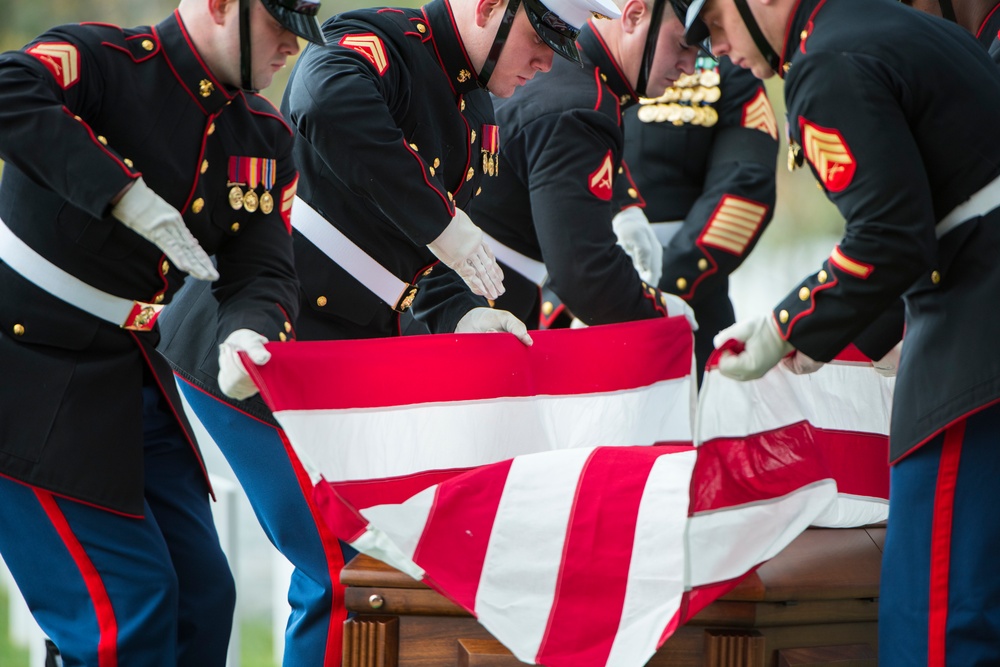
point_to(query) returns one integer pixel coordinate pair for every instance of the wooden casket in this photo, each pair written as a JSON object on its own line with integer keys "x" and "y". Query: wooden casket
{"x": 815, "y": 603}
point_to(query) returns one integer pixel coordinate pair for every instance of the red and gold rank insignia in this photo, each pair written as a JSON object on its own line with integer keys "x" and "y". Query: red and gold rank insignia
{"x": 287, "y": 197}
{"x": 826, "y": 149}
{"x": 600, "y": 181}
{"x": 370, "y": 46}
{"x": 759, "y": 115}
{"x": 61, "y": 59}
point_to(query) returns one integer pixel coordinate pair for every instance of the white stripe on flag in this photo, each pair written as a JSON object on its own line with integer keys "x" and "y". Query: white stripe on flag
{"x": 760, "y": 529}
{"x": 518, "y": 582}
{"x": 395, "y": 441}
{"x": 402, "y": 524}
{"x": 852, "y": 397}
{"x": 656, "y": 572}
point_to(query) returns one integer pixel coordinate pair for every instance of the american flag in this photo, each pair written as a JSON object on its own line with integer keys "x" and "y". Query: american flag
{"x": 556, "y": 492}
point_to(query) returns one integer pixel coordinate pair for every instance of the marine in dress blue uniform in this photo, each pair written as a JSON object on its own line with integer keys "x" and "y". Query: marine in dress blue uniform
{"x": 550, "y": 206}
{"x": 395, "y": 130}
{"x": 702, "y": 156}
{"x": 898, "y": 132}
{"x": 106, "y": 524}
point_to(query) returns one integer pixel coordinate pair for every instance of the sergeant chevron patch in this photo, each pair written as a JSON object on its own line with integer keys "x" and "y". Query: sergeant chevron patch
{"x": 61, "y": 59}
{"x": 370, "y": 46}
{"x": 758, "y": 115}
{"x": 828, "y": 152}
{"x": 600, "y": 180}
{"x": 733, "y": 225}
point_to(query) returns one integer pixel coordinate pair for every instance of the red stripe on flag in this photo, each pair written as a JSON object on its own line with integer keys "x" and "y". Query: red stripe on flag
{"x": 467, "y": 367}
{"x": 735, "y": 471}
{"x": 601, "y": 530}
{"x": 454, "y": 541}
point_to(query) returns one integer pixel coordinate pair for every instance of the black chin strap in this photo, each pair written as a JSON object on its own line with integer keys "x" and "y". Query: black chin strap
{"x": 947, "y": 10}
{"x": 758, "y": 37}
{"x": 246, "y": 73}
{"x": 491, "y": 60}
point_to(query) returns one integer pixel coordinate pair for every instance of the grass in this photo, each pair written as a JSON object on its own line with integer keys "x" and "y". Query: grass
{"x": 256, "y": 646}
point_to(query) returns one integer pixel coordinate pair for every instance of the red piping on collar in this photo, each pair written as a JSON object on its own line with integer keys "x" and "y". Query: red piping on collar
{"x": 987, "y": 20}
{"x": 604, "y": 45}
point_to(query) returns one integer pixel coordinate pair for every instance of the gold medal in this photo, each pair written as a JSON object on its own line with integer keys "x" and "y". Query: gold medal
{"x": 266, "y": 203}
{"x": 486, "y": 162}
{"x": 250, "y": 201}
{"x": 236, "y": 198}
{"x": 493, "y": 169}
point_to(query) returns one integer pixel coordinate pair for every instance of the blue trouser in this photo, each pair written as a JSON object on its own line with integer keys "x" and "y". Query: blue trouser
{"x": 940, "y": 591}
{"x": 280, "y": 493}
{"x": 111, "y": 590}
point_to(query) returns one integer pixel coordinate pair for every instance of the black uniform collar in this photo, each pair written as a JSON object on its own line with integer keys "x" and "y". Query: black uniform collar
{"x": 450, "y": 49}
{"x": 991, "y": 26}
{"x": 188, "y": 67}
{"x": 800, "y": 25}
{"x": 595, "y": 52}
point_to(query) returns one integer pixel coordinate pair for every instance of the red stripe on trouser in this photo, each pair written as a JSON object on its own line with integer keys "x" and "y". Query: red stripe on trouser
{"x": 107, "y": 646}
{"x": 333, "y": 654}
{"x": 944, "y": 511}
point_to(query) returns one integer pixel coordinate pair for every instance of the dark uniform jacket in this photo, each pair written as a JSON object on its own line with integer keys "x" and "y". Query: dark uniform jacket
{"x": 899, "y": 131}
{"x": 85, "y": 109}
{"x": 561, "y": 152}
{"x": 704, "y": 153}
{"x": 390, "y": 123}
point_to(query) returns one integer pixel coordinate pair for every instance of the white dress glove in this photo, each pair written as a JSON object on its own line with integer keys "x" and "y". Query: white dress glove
{"x": 637, "y": 238}
{"x": 677, "y": 306}
{"x": 763, "y": 347}
{"x": 487, "y": 320}
{"x": 462, "y": 248}
{"x": 801, "y": 364}
{"x": 889, "y": 364}
{"x": 152, "y": 218}
{"x": 234, "y": 380}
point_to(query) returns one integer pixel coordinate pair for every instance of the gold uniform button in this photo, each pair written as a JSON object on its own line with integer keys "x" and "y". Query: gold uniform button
{"x": 128, "y": 163}
{"x": 783, "y": 317}
{"x": 786, "y": 67}
{"x": 682, "y": 284}
{"x": 547, "y": 308}
{"x": 282, "y": 337}
{"x": 165, "y": 267}
{"x": 235, "y": 227}
{"x": 414, "y": 147}
{"x": 204, "y": 166}
{"x": 478, "y": 190}
{"x": 437, "y": 162}
{"x": 288, "y": 327}
{"x": 604, "y": 77}
{"x": 633, "y": 193}
{"x": 461, "y": 107}
{"x": 432, "y": 170}
{"x": 321, "y": 301}
{"x": 804, "y": 294}
{"x": 621, "y": 170}
{"x": 421, "y": 28}
{"x": 472, "y": 137}
{"x": 147, "y": 44}
{"x": 102, "y": 140}
{"x": 18, "y": 330}
{"x": 470, "y": 174}
{"x": 822, "y": 276}
{"x": 702, "y": 264}
{"x": 428, "y": 271}
{"x": 197, "y": 205}
{"x": 451, "y": 197}
{"x": 158, "y": 298}
{"x": 935, "y": 277}
{"x": 211, "y": 128}
{"x": 803, "y": 34}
